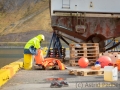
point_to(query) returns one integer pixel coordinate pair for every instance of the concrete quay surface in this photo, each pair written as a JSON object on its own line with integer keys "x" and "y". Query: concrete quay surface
{"x": 38, "y": 80}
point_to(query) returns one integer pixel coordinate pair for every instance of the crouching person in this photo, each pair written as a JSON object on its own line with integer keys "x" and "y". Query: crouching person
{"x": 30, "y": 49}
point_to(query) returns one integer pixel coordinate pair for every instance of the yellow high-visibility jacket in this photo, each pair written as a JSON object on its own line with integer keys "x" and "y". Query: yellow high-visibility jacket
{"x": 33, "y": 42}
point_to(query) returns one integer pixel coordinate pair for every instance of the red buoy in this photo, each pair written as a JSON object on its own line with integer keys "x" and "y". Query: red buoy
{"x": 104, "y": 61}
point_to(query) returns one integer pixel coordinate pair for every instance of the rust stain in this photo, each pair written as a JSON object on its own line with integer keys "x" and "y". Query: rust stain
{"x": 88, "y": 30}
{"x": 117, "y": 30}
{"x": 101, "y": 26}
{"x": 98, "y": 29}
{"x": 107, "y": 30}
{"x": 64, "y": 22}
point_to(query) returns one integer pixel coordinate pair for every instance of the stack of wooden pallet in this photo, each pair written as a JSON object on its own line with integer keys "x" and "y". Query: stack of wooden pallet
{"x": 54, "y": 53}
{"x": 88, "y": 50}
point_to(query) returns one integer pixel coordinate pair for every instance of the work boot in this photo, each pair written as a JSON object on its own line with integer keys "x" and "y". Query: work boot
{"x": 64, "y": 84}
{"x": 55, "y": 85}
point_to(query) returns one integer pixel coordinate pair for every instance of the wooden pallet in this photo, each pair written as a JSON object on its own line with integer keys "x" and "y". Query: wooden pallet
{"x": 75, "y": 63}
{"x": 88, "y": 50}
{"x": 86, "y": 72}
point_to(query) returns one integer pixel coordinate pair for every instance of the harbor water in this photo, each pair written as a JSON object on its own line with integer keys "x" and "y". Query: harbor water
{"x": 10, "y": 54}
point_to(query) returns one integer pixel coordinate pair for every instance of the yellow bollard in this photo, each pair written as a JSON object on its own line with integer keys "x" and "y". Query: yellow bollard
{"x": 27, "y": 64}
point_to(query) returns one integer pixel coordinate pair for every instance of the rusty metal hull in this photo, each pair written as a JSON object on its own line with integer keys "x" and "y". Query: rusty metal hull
{"x": 104, "y": 28}
{"x": 86, "y": 20}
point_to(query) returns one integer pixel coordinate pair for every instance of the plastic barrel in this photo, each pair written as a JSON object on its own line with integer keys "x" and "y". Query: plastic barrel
{"x": 27, "y": 61}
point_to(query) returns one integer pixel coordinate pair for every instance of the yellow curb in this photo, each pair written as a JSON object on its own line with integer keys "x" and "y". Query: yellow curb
{"x": 8, "y": 71}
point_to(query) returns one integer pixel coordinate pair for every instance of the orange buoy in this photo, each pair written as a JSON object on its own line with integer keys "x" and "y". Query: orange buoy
{"x": 83, "y": 62}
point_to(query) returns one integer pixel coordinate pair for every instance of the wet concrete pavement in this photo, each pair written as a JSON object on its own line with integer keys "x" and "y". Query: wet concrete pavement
{"x": 38, "y": 80}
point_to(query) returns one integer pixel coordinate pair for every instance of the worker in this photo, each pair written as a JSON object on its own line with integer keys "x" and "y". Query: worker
{"x": 31, "y": 48}
{"x": 33, "y": 45}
